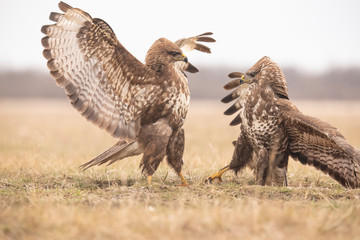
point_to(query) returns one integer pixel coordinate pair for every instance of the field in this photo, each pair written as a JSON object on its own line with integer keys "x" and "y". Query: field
{"x": 43, "y": 195}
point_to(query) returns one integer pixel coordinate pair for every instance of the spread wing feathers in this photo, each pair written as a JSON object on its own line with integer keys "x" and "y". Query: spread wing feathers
{"x": 233, "y": 84}
{"x": 191, "y": 43}
{"x": 317, "y": 143}
{"x": 117, "y": 152}
{"x": 102, "y": 80}
{"x": 235, "y": 75}
{"x": 238, "y": 94}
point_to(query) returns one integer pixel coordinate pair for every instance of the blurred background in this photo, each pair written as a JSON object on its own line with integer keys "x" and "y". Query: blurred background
{"x": 316, "y": 43}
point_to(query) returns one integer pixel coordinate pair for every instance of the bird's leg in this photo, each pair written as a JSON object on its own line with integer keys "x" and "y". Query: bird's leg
{"x": 175, "y": 151}
{"x": 149, "y": 179}
{"x": 262, "y": 165}
{"x": 184, "y": 182}
{"x": 218, "y": 174}
{"x": 153, "y": 138}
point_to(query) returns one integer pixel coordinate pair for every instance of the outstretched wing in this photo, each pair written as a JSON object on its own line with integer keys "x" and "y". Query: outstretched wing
{"x": 191, "y": 43}
{"x": 103, "y": 81}
{"x": 317, "y": 143}
{"x": 239, "y": 94}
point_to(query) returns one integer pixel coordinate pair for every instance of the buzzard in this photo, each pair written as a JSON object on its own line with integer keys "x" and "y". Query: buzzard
{"x": 143, "y": 105}
{"x": 272, "y": 129}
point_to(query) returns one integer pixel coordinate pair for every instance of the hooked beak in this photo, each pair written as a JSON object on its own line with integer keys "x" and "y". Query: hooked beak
{"x": 244, "y": 79}
{"x": 183, "y": 58}
{"x": 241, "y": 78}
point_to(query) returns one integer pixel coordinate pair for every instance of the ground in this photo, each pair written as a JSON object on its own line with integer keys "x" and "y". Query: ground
{"x": 43, "y": 195}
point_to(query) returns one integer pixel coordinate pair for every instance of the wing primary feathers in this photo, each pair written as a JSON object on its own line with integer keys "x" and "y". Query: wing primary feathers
{"x": 237, "y": 120}
{"x": 206, "y": 39}
{"x": 64, "y": 6}
{"x": 54, "y": 16}
{"x": 232, "y": 109}
{"x": 205, "y": 34}
{"x": 233, "y": 84}
{"x": 47, "y": 54}
{"x": 232, "y": 96}
{"x": 235, "y": 74}
{"x": 202, "y": 48}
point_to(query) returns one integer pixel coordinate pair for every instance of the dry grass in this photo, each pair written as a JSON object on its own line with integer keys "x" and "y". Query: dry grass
{"x": 44, "y": 196}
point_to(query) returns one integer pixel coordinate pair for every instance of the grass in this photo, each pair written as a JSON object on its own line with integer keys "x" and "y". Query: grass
{"x": 43, "y": 195}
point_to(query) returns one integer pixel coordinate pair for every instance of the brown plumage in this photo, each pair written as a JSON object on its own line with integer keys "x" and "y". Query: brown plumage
{"x": 143, "y": 105}
{"x": 272, "y": 129}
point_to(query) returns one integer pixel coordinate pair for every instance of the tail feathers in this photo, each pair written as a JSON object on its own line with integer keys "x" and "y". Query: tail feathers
{"x": 120, "y": 150}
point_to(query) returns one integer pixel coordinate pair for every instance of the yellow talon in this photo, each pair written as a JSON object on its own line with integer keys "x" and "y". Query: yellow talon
{"x": 184, "y": 182}
{"x": 217, "y": 175}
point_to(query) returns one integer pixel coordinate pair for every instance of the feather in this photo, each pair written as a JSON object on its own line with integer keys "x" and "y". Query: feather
{"x": 235, "y": 75}
{"x": 64, "y": 6}
{"x": 205, "y": 34}
{"x": 54, "y": 16}
{"x": 237, "y": 120}
{"x": 232, "y": 96}
{"x": 205, "y": 39}
{"x": 234, "y": 108}
{"x": 202, "y": 48}
{"x": 233, "y": 84}
{"x": 117, "y": 152}
{"x": 70, "y": 89}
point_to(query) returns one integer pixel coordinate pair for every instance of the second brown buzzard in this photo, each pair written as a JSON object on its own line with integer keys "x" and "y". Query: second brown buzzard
{"x": 272, "y": 129}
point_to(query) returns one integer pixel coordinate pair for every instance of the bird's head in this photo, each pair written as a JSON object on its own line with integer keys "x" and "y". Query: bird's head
{"x": 264, "y": 72}
{"x": 164, "y": 52}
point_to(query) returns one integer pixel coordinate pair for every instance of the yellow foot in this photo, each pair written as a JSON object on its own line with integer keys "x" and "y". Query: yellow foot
{"x": 149, "y": 180}
{"x": 184, "y": 182}
{"x": 217, "y": 175}
{"x": 183, "y": 185}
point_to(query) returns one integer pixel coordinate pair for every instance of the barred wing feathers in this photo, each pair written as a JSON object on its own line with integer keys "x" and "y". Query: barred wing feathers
{"x": 317, "y": 143}
{"x": 193, "y": 43}
{"x": 102, "y": 80}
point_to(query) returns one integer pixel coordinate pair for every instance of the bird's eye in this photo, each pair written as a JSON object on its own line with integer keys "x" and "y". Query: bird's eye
{"x": 174, "y": 54}
{"x": 251, "y": 74}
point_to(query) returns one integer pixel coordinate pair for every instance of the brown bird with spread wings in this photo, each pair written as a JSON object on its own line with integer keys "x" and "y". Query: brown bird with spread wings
{"x": 143, "y": 105}
{"x": 272, "y": 129}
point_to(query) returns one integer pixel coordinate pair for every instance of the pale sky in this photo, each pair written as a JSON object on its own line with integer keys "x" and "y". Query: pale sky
{"x": 314, "y": 35}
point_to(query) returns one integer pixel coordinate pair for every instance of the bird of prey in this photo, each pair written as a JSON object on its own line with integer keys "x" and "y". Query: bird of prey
{"x": 272, "y": 129}
{"x": 143, "y": 105}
